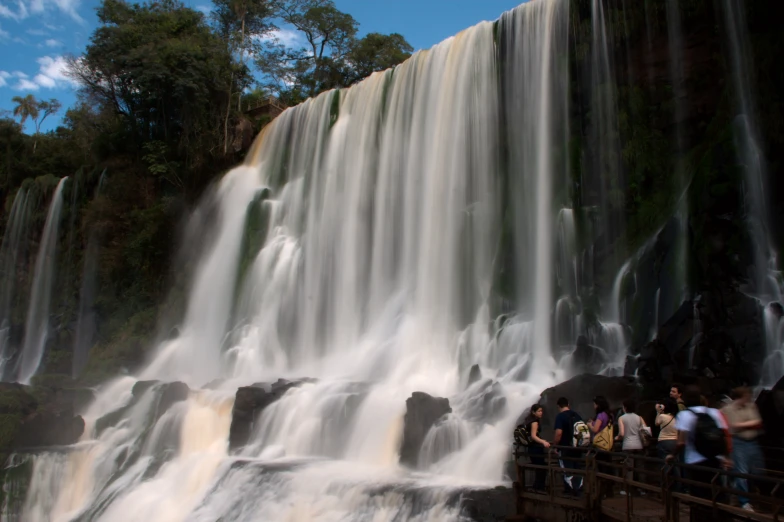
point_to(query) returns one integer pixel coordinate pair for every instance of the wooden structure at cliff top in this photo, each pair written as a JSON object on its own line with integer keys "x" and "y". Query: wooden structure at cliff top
{"x": 654, "y": 492}
{"x": 269, "y": 106}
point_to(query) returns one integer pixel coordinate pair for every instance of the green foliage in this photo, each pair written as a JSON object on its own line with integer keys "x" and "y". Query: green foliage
{"x": 164, "y": 72}
{"x": 333, "y": 57}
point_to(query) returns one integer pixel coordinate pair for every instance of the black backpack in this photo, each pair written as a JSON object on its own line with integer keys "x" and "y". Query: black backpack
{"x": 710, "y": 440}
{"x": 522, "y": 436}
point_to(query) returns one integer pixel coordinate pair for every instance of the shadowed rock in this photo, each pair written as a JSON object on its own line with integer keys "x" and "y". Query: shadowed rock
{"x": 422, "y": 412}
{"x": 249, "y": 402}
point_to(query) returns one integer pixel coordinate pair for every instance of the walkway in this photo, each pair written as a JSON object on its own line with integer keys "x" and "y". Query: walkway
{"x": 619, "y": 487}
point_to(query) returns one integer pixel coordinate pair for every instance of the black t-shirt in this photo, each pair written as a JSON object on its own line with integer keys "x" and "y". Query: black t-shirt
{"x": 529, "y": 427}
{"x": 564, "y": 421}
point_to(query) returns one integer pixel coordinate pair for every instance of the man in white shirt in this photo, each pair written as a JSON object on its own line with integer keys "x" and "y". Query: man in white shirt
{"x": 689, "y": 441}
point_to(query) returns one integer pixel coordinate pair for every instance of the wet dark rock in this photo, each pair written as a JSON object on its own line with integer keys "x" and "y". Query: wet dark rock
{"x": 485, "y": 402}
{"x": 27, "y": 423}
{"x": 172, "y": 393}
{"x": 167, "y": 395}
{"x": 580, "y": 391}
{"x": 50, "y": 428}
{"x": 474, "y": 374}
{"x": 142, "y": 386}
{"x": 488, "y": 505}
{"x": 587, "y": 357}
{"x": 771, "y": 408}
{"x": 718, "y": 336}
{"x": 249, "y": 402}
{"x": 422, "y": 413}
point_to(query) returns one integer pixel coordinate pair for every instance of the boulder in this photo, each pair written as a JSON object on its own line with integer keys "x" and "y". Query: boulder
{"x": 488, "y": 505}
{"x": 422, "y": 413}
{"x": 249, "y": 402}
{"x": 587, "y": 357}
{"x": 580, "y": 391}
{"x": 50, "y": 428}
{"x": 172, "y": 393}
{"x": 26, "y": 423}
{"x": 168, "y": 394}
{"x": 474, "y": 374}
{"x": 483, "y": 402}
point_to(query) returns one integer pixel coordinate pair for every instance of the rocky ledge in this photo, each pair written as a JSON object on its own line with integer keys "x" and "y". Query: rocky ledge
{"x": 33, "y": 418}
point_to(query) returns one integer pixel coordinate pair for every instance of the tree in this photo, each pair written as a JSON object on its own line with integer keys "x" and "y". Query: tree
{"x": 26, "y": 107}
{"x": 241, "y": 23}
{"x": 329, "y": 33}
{"x": 164, "y": 72}
{"x": 333, "y": 58}
{"x": 29, "y": 107}
{"x": 376, "y": 52}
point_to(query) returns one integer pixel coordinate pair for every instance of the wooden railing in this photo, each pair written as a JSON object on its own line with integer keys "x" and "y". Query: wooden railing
{"x": 620, "y": 486}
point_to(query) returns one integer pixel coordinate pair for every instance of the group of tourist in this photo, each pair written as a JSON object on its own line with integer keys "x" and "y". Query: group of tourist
{"x": 687, "y": 430}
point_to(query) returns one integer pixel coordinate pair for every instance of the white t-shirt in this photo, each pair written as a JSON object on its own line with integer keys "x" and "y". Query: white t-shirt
{"x": 686, "y": 420}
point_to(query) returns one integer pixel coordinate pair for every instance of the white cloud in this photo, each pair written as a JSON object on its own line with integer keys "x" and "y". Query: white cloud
{"x": 4, "y": 34}
{"x": 3, "y": 77}
{"x": 26, "y": 85}
{"x": 51, "y": 75}
{"x": 53, "y": 69}
{"x": 37, "y": 32}
{"x": 26, "y": 7}
{"x": 287, "y": 37}
{"x": 51, "y": 43}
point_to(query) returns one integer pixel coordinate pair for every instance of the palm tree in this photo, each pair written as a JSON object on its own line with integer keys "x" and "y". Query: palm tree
{"x": 26, "y": 107}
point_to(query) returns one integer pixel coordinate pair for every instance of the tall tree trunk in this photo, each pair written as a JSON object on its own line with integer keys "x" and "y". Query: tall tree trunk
{"x": 226, "y": 121}
{"x": 242, "y": 60}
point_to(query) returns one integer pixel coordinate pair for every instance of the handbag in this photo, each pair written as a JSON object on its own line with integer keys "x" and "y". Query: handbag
{"x": 604, "y": 439}
{"x": 646, "y": 436}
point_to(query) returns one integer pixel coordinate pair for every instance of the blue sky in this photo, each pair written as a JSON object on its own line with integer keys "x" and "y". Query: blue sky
{"x": 36, "y": 34}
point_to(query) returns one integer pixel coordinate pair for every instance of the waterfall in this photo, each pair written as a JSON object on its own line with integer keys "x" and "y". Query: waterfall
{"x": 747, "y": 142}
{"x": 359, "y": 255}
{"x": 37, "y": 323}
{"x": 536, "y": 97}
{"x": 12, "y": 251}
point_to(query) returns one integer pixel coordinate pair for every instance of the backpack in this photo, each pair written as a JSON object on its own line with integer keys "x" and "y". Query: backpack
{"x": 581, "y": 435}
{"x": 709, "y": 438}
{"x": 522, "y": 437}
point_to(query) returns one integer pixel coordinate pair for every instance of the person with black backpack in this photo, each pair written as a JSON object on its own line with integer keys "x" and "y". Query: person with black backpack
{"x": 702, "y": 434}
{"x": 528, "y": 434}
{"x": 571, "y": 431}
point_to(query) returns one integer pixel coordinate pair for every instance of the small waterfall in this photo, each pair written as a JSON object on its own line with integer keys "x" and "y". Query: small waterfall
{"x": 37, "y": 324}
{"x": 747, "y": 141}
{"x": 773, "y": 367}
{"x": 617, "y": 308}
{"x": 12, "y": 251}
